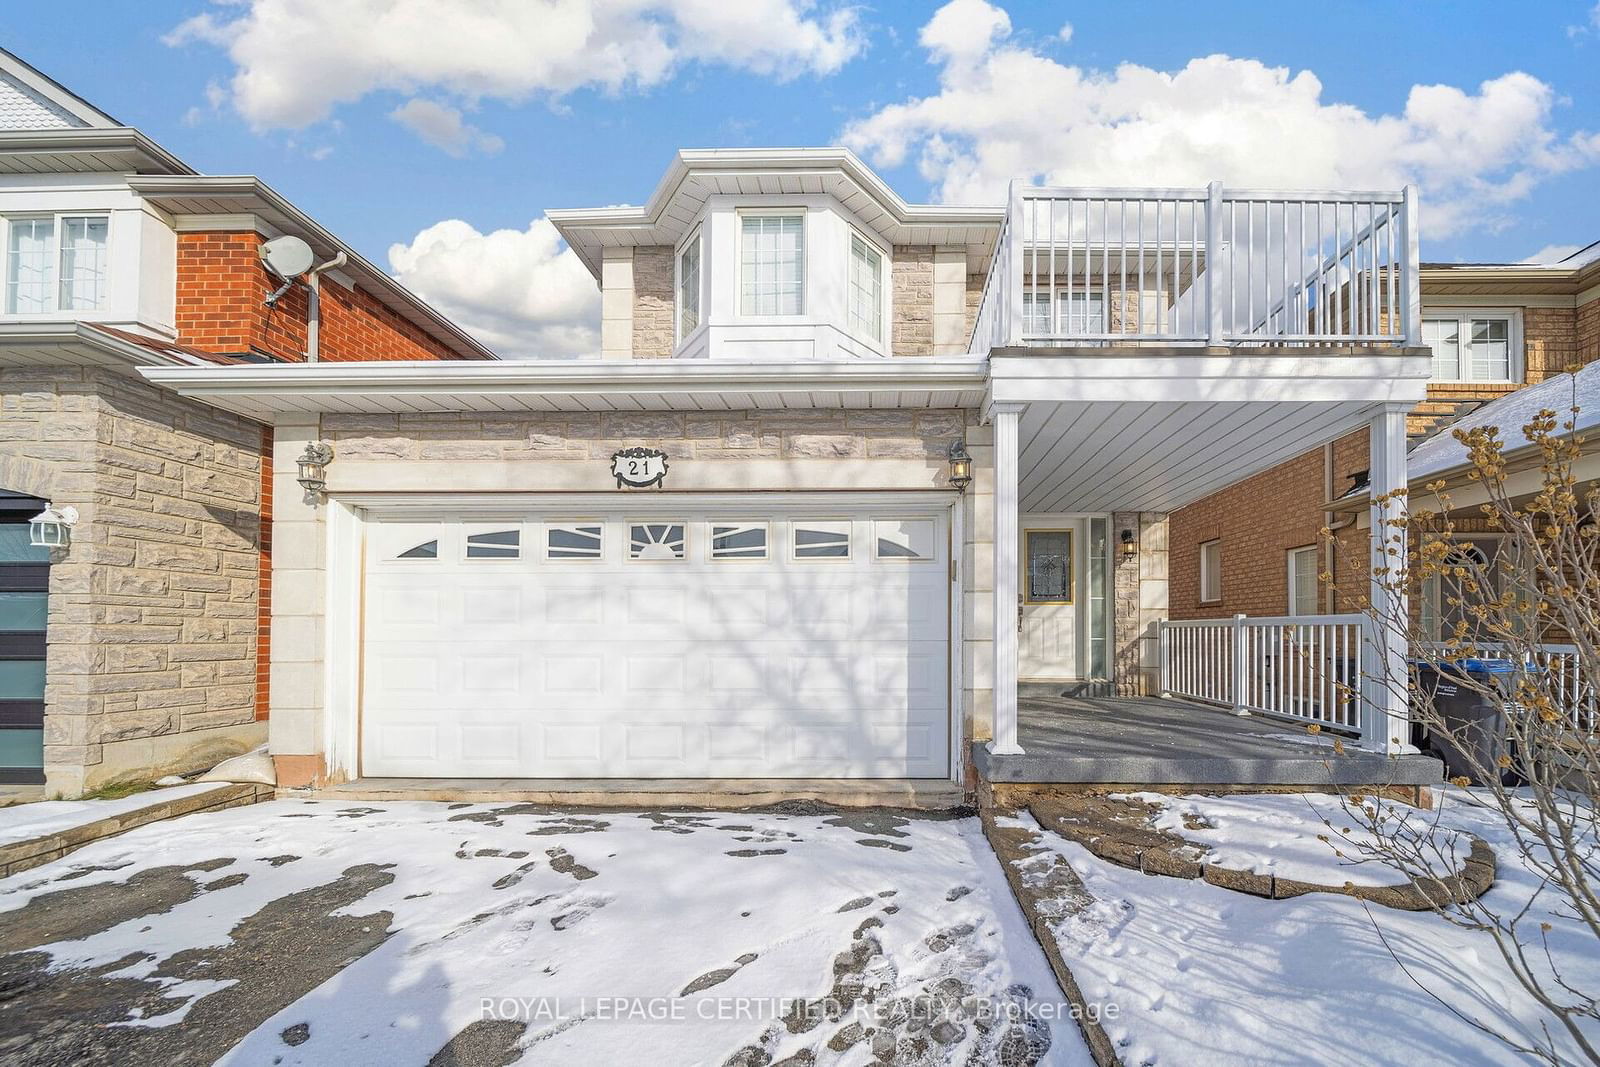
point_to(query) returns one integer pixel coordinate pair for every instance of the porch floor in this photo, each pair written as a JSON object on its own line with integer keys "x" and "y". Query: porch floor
{"x": 1146, "y": 741}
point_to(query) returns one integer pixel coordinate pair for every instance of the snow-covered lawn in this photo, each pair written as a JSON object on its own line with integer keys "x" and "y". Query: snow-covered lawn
{"x": 24, "y": 822}
{"x": 718, "y": 921}
{"x": 1203, "y": 975}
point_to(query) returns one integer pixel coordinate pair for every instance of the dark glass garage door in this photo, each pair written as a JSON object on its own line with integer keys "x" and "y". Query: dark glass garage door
{"x": 24, "y": 595}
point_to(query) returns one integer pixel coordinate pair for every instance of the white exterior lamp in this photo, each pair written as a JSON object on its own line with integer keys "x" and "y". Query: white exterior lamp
{"x": 52, "y": 527}
{"x": 312, "y": 473}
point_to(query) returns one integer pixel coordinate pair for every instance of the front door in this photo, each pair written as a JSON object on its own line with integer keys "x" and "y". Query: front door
{"x": 24, "y": 590}
{"x": 1048, "y": 613}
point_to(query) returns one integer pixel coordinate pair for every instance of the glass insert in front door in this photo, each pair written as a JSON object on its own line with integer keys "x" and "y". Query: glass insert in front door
{"x": 24, "y": 585}
{"x": 1049, "y": 554}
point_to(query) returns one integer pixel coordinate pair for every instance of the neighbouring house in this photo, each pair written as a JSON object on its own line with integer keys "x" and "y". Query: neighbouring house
{"x": 142, "y": 647}
{"x": 855, "y": 488}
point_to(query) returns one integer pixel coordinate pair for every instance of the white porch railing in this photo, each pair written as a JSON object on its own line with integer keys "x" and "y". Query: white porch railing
{"x": 1577, "y": 694}
{"x": 1306, "y": 668}
{"x": 1210, "y": 266}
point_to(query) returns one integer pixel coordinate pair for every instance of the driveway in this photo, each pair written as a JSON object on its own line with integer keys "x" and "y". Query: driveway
{"x": 316, "y": 932}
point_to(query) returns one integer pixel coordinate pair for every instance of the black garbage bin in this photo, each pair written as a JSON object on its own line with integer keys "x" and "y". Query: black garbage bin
{"x": 1474, "y": 721}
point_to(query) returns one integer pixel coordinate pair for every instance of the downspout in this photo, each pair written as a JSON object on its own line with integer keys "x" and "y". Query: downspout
{"x": 1330, "y": 604}
{"x": 314, "y": 303}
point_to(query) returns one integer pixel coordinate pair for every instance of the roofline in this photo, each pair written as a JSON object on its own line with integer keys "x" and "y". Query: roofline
{"x": 91, "y": 140}
{"x": 248, "y": 186}
{"x": 87, "y": 333}
{"x": 574, "y": 376}
{"x": 738, "y": 160}
{"x": 47, "y": 86}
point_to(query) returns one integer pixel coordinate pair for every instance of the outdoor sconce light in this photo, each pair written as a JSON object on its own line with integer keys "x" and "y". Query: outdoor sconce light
{"x": 960, "y": 466}
{"x": 313, "y": 463}
{"x": 52, "y": 527}
{"x": 1130, "y": 548}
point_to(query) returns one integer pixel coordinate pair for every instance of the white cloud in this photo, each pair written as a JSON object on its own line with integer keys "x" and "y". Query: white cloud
{"x": 521, "y": 292}
{"x": 1592, "y": 27}
{"x": 297, "y": 60}
{"x": 1065, "y": 33}
{"x": 1004, "y": 110}
{"x": 443, "y": 127}
{"x": 1552, "y": 253}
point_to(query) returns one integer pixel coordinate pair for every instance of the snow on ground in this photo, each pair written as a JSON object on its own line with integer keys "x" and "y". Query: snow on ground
{"x": 1302, "y": 836}
{"x": 1202, "y": 975}
{"x": 24, "y": 822}
{"x": 566, "y": 921}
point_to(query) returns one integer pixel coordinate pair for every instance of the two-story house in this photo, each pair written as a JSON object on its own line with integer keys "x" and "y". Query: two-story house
{"x": 847, "y": 474}
{"x": 141, "y": 646}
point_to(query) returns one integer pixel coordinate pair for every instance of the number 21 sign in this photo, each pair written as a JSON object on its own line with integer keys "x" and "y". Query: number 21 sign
{"x": 639, "y": 467}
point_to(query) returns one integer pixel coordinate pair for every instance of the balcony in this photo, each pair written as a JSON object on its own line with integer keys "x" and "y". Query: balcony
{"x": 1212, "y": 267}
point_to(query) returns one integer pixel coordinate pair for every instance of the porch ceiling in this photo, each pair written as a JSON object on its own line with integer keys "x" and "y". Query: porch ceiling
{"x": 1152, "y": 433}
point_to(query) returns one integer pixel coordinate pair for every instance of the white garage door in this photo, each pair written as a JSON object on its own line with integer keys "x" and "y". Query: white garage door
{"x": 688, "y": 643}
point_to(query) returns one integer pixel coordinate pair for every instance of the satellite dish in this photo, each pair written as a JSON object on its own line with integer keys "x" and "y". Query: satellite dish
{"x": 287, "y": 257}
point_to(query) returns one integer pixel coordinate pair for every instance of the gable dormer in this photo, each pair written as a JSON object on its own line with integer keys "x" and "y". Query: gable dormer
{"x": 781, "y": 254}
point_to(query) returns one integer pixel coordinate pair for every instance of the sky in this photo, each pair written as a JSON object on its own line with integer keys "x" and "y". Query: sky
{"x": 432, "y": 135}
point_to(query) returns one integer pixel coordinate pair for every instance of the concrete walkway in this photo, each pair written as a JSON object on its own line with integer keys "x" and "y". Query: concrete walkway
{"x": 1147, "y": 741}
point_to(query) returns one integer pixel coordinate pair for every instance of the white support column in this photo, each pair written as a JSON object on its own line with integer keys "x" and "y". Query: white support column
{"x": 1004, "y": 418}
{"x": 1388, "y": 727}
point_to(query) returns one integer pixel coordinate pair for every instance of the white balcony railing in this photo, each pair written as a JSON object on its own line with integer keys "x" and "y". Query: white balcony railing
{"x": 1212, "y": 266}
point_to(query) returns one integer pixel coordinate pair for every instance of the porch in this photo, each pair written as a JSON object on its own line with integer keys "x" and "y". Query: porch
{"x": 1144, "y": 742}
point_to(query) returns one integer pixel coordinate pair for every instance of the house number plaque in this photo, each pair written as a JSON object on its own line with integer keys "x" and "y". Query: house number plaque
{"x": 639, "y": 467}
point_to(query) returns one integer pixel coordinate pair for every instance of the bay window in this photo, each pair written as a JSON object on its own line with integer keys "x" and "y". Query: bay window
{"x": 55, "y": 263}
{"x": 866, "y": 288}
{"x": 772, "y": 265}
{"x": 1474, "y": 346}
{"x": 689, "y": 287}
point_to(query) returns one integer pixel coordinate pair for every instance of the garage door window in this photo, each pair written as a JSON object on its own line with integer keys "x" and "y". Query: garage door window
{"x": 739, "y": 540}
{"x": 655, "y": 540}
{"x": 495, "y": 544}
{"x": 822, "y": 540}
{"x": 575, "y": 541}
{"x": 426, "y": 550}
{"x": 909, "y": 539}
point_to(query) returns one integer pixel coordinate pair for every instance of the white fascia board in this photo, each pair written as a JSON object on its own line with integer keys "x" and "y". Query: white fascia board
{"x": 659, "y": 378}
{"x": 111, "y": 351}
{"x": 1019, "y": 378}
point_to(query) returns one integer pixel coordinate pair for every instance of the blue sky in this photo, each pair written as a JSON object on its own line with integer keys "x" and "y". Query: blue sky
{"x": 945, "y": 101}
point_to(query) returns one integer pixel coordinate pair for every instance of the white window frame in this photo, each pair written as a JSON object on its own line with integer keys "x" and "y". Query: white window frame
{"x": 1059, "y": 321}
{"x": 862, "y": 330}
{"x": 1516, "y": 363}
{"x": 849, "y": 542}
{"x": 1206, "y": 571}
{"x": 1292, "y": 557}
{"x": 741, "y": 216}
{"x": 58, "y": 220}
{"x": 694, "y": 241}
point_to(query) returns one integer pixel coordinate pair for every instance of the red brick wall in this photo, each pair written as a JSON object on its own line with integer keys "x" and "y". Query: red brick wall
{"x": 221, "y": 286}
{"x": 1258, "y": 521}
{"x": 1588, "y": 332}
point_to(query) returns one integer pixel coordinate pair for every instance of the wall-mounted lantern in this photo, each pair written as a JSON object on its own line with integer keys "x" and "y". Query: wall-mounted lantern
{"x": 1129, "y": 547}
{"x": 52, "y": 527}
{"x": 960, "y": 466}
{"x": 313, "y": 469}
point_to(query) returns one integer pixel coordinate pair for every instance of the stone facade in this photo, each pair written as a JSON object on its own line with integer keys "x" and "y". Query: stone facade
{"x": 652, "y": 302}
{"x": 912, "y": 330}
{"x": 153, "y": 607}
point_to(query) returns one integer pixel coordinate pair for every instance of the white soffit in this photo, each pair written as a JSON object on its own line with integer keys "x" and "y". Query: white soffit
{"x": 266, "y": 392}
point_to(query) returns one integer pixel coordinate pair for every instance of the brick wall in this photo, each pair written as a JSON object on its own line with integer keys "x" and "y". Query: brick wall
{"x": 652, "y": 302}
{"x": 221, "y": 286}
{"x": 1258, "y": 521}
{"x": 911, "y": 333}
{"x": 1587, "y": 331}
{"x": 153, "y": 608}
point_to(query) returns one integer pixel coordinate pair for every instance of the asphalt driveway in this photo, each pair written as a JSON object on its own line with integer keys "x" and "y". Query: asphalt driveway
{"x": 315, "y": 932}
